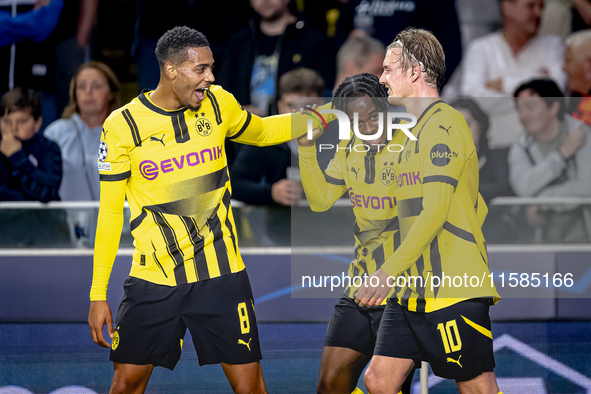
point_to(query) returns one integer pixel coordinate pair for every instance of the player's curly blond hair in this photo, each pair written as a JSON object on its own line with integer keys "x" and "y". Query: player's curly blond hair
{"x": 420, "y": 47}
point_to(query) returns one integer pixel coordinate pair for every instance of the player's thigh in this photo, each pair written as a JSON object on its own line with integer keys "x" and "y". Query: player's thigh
{"x": 245, "y": 378}
{"x": 130, "y": 378}
{"x": 340, "y": 369}
{"x": 485, "y": 383}
{"x": 220, "y": 316}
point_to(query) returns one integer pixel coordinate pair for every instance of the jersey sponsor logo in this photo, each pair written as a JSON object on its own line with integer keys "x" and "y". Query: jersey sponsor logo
{"x": 373, "y": 202}
{"x": 408, "y": 178}
{"x": 161, "y": 140}
{"x": 150, "y": 170}
{"x": 103, "y": 151}
{"x": 451, "y": 360}
{"x": 446, "y": 129}
{"x": 247, "y": 344}
{"x": 203, "y": 127}
{"x": 104, "y": 166}
{"x": 441, "y": 155}
{"x": 388, "y": 175}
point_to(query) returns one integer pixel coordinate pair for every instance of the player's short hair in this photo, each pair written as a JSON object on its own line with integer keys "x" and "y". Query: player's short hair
{"x": 19, "y": 99}
{"x": 358, "y": 49}
{"x": 360, "y": 85}
{"x": 172, "y": 46}
{"x": 546, "y": 89}
{"x": 420, "y": 47}
{"x": 302, "y": 81}
{"x": 479, "y": 115}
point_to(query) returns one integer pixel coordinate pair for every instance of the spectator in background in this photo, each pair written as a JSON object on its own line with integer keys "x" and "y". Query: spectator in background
{"x": 499, "y": 62}
{"x": 360, "y": 55}
{"x": 551, "y": 158}
{"x": 384, "y": 19}
{"x": 276, "y": 42}
{"x": 577, "y": 66}
{"x": 32, "y": 62}
{"x": 94, "y": 94}
{"x": 494, "y": 173}
{"x": 30, "y": 165}
{"x": 260, "y": 175}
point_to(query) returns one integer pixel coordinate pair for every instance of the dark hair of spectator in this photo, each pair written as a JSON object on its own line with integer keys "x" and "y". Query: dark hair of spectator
{"x": 479, "y": 115}
{"x": 111, "y": 78}
{"x": 420, "y": 47}
{"x": 301, "y": 80}
{"x": 172, "y": 46}
{"x": 360, "y": 85}
{"x": 21, "y": 99}
{"x": 546, "y": 89}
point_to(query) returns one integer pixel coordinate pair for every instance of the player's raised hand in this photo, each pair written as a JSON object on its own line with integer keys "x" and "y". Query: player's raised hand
{"x": 373, "y": 291}
{"x": 99, "y": 315}
{"x": 305, "y": 140}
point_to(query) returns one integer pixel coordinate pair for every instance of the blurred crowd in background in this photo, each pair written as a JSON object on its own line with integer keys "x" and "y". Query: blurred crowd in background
{"x": 518, "y": 70}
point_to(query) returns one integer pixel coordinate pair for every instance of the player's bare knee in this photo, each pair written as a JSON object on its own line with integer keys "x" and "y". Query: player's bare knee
{"x": 376, "y": 384}
{"x": 327, "y": 384}
{"x": 245, "y": 387}
{"x": 122, "y": 386}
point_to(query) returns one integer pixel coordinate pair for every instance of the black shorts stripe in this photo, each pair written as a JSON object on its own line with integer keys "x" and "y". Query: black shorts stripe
{"x": 441, "y": 178}
{"x": 435, "y": 262}
{"x": 410, "y": 207}
{"x": 334, "y": 181}
{"x": 458, "y": 232}
{"x": 135, "y": 133}
{"x": 114, "y": 177}
{"x": 226, "y": 200}
{"x": 218, "y": 244}
{"x": 405, "y": 297}
{"x": 216, "y": 107}
{"x": 181, "y": 131}
{"x": 244, "y": 126}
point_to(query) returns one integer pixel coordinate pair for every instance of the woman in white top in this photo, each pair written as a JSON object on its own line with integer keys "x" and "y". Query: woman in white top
{"x": 94, "y": 94}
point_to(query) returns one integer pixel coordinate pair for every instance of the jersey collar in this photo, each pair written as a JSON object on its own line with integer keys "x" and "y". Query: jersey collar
{"x": 146, "y": 101}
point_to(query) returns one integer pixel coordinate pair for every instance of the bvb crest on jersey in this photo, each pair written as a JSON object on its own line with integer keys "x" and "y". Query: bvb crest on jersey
{"x": 203, "y": 127}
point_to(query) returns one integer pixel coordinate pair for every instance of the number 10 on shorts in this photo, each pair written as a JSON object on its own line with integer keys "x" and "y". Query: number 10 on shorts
{"x": 450, "y": 335}
{"x": 243, "y": 316}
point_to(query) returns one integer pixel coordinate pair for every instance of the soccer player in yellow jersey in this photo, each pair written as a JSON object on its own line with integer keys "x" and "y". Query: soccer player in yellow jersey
{"x": 164, "y": 151}
{"x": 365, "y": 170}
{"x": 437, "y": 194}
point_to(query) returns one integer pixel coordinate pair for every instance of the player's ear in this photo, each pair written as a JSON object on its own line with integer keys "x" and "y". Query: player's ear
{"x": 414, "y": 74}
{"x": 170, "y": 70}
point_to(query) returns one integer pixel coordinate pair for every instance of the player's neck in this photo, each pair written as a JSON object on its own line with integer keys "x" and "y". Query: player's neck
{"x": 516, "y": 37}
{"x": 277, "y": 26}
{"x": 164, "y": 98}
{"x": 417, "y": 105}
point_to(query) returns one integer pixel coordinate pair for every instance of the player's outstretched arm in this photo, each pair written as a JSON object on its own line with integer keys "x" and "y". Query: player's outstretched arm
{"x": 322, "y": 190}
{"x": 110, "y": 224}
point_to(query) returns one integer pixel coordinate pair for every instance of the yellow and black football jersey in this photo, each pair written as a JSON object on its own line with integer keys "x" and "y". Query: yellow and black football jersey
{"x": 171, "y": 166}
{"x": 368, "y": 177}
{"x": 438, "y": 200}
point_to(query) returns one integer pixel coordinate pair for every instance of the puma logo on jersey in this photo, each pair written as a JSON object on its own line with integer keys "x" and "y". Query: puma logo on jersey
{"x": 446, "y": 130}
{"x": 161, "y": 140}
{"x": 105, "y": 134}
{"x": 354, "y": 171}
{"x": 247, "y": 344}
{"x": 451, "y": 360}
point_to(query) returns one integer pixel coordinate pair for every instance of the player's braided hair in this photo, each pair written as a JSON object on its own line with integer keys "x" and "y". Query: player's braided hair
{"x": 172, "y": 46}
{"x": 360, "y": 85}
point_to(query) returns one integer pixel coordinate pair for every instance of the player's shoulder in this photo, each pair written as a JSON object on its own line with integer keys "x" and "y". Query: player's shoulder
{"x": 448, "y": 121}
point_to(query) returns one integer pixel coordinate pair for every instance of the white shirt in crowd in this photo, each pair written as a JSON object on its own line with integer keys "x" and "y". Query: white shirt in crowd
{"x": 489, "y": 58}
